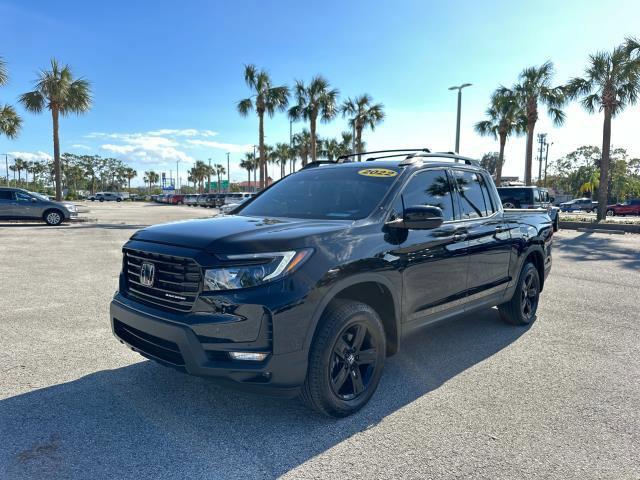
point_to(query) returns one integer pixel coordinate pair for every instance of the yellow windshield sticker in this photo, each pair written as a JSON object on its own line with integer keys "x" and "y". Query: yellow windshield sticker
{"x": 378, "y": 172}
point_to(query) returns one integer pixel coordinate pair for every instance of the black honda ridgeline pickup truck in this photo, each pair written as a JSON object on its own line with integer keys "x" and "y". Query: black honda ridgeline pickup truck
{"x": 308, "y": 287}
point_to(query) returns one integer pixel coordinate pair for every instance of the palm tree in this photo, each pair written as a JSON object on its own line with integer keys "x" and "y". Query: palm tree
{"x": 265, "y": 99}
{"x": 18, "y": 166}
{"x": 610, "y": 84}
{"x": 219, "y": 171}
{"x": 313, "y": 100}
{"x": 10, "y": 121}
{"x": 130, "y": 174}
{"x": 58, "y": 91}
{"x": 151, "y": 177}
{"x": 249, "y": 164}
{"x": 302, "y": 146}
{"x": 505, "y": 117}
{"x": 534, "y": 87}
{"x": 362, "y": 113}
{"x": 281, "y": 155}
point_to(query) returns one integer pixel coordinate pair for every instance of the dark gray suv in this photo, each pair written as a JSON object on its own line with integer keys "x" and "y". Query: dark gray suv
{"x": 19, "y": 204}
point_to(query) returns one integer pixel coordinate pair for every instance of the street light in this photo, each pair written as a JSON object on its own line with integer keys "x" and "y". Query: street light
{"x": 459, "y": 88}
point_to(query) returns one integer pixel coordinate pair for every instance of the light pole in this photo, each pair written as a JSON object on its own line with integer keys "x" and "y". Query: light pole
{"x": 228, "y": 174}
{"x": 459, "y": 88}
{"x": 255, "y": 167}
{"x": 177, "y": 177}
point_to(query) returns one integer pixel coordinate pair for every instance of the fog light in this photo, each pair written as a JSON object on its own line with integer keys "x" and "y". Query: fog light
{"x": 248, "y": 356}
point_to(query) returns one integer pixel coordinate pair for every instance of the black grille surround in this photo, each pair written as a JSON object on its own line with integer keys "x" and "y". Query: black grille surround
{"x": 176, "y": 282}
{"x": 149, "y": 345}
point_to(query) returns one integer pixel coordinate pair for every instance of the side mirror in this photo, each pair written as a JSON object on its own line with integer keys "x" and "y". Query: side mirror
{"x": 421, "y": 217}
{"x": 552, "y": 199}
{"x": 34, "y": 200}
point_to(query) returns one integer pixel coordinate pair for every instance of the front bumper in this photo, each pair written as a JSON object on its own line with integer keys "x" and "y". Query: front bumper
{"x": 178, "y": 345}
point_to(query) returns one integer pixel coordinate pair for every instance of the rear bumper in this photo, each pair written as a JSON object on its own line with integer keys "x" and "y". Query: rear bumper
{"x": 177, "y": 345}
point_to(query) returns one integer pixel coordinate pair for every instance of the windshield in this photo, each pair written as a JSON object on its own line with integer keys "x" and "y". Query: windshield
{"x": 324, "y": 193}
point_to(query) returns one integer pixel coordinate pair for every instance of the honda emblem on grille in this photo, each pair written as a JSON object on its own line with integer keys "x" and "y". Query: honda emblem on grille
{"x": 147, "y": 274}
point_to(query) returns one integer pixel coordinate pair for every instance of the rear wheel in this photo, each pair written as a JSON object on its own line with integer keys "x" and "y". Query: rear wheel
{"x": 53, "y": 217}
{"x": 346, "y": 360}
{"x": 611, "y": 213}
{"x": 521, "y": 309}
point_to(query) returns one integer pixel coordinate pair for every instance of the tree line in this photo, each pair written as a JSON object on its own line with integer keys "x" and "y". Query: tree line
{"x": 610, "y": 83}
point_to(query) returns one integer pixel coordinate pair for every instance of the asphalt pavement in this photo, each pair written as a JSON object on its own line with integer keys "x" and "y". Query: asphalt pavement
{"x": 471, "y": 398}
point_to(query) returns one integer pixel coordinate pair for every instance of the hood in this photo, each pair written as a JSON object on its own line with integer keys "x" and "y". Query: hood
{"x": 238, "y": 234}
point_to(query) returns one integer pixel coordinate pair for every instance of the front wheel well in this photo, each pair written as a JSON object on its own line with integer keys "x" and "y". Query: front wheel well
{"x": 378, "y": 297}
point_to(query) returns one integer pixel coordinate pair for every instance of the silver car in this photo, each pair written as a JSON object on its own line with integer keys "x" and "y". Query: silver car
{"x": 19, "y": 204}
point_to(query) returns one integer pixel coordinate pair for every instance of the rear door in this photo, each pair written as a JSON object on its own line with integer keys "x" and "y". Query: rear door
{"x": 434, "y": 261}
{"x": 7, "y": 204}
{"x": 488, "y": 239}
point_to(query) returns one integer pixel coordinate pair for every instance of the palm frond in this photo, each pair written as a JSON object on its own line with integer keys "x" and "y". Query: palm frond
{"x": 10, "y": 121}
{"x": 33, "y": 101}
{"x": 557, "y": 116}
{"x": 4, "y": 76}
{"x": 245, "y": 106}
{"x": 78, "y": 98}
{"x": 486, "y": 128}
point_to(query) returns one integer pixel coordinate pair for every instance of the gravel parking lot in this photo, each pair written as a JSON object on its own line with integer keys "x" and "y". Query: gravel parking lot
{"x": 472, "y": 398}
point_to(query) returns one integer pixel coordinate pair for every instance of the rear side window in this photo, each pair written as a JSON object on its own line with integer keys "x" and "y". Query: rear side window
{"x": 522, "y": 195}
{"x": 6, "y": 195}
{"x": 474, "y": 201}
{"x": 430, "y": 187}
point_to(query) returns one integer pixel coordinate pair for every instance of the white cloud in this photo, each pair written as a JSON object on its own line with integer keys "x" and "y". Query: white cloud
{"x": 147, "y": 149}
{"x": 81, "y": 146}
{"x": 230, "y": 147}
{"x": 38, "y": 156}
{"x": 163, "y": 132}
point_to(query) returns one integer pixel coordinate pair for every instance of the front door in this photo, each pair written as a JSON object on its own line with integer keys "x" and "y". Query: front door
{"x": 7, "y": 204}
{"x": 434, "y": 261}
{"x": 27, "y": 206}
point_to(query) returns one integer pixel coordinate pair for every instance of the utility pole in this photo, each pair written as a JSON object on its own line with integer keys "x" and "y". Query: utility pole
{"x": 459, "y": 88}
{"x": 542, "y": 139}
{"x": 291, "y": 154}
{"x": 546, "y": 159}
{"x": 209, "y": 177}
{"x": 256, "y": 165}
{"x": 6, "y": 165}
{"x": 228, "y": 174}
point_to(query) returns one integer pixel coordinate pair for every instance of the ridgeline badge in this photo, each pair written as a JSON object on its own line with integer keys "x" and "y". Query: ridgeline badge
{"x": 378, "y": 172}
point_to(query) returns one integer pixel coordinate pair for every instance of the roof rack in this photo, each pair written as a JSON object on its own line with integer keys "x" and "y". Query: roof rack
{"x": 344, "y": 157}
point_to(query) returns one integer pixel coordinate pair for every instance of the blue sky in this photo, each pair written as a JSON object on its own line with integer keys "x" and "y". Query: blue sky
{"x": 166, "y": 75}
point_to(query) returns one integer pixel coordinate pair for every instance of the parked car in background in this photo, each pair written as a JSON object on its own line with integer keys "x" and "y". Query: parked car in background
{"x": 107, "y": 197}
{"x": 177, "y": 199}
{"x": 236, "y": 197}
{"x": 19, "y": 204}
{"x": 585, "y": 204}
{"x": 629, "y": 207}
{"x": 530, "y": 197}
{"x": 309, "y": 287}
{"x": 191, "y": 199}
{"x": 230, "y": 207}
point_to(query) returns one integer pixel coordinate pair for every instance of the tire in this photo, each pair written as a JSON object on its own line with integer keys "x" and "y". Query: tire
{"x": 101, "y": 200}
{"x": 339, "y": 382}
{"x": 521, "y": 309}
{"x": 509, "y": 205}
{"x": 118, "y": 199}
{"x": 53, "y": 217}
{"x": 611, "y": 213}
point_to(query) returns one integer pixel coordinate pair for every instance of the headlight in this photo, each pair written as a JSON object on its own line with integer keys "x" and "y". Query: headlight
{"x": 71, "y": 207}
{"x": 253, "y": 269}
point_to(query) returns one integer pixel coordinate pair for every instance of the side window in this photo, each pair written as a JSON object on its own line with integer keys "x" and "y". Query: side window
{"x": 430, "y": 187}
{"x": 472, "y": 200}
{"x": 23, "y": 197}
{"x": 6, "y": 195}
{"x": 491, "y": 208}
{"x": 536, "y": 195}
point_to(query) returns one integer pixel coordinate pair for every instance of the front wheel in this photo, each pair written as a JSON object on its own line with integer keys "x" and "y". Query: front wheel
{"x": 53, "y": 217}
{"x": 521, "y": 309}
{"x": 346, "y": 360}
{"x": 611, "y": 213}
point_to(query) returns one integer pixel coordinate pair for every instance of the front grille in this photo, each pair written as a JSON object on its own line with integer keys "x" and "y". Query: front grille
{"x": 148, "y": 344}
{"x": 175, "y": 284}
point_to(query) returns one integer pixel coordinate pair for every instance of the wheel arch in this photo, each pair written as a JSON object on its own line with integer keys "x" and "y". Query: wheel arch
{"x": 378, "y": 292}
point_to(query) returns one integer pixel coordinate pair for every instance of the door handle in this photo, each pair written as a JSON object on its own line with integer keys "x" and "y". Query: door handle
{"x": 501, "y": 229}
{"x": 459, "y": 237}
